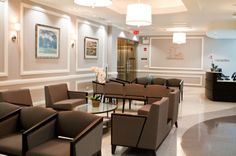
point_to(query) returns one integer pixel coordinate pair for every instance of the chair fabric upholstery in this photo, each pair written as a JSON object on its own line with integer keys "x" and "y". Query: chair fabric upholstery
{"x": 84, "y": 128}
{"x": 159, "y": 81}
{"x": 136, "y": 91}
{"x": 20, "y": 97}
{"x": 176, "y": 83}
{"x": 12, "y": 129}
{"x": 127, "y": 129}
{"x": 59, "y": 98}
{"x": 7, "y": 108}
{"x": 98, "y": 88}
{"x": 142, "y": 80}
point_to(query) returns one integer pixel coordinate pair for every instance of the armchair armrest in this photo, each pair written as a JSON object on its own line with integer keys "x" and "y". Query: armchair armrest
{"x": 92, "y": 136}
{"x": 39, "y": 133}
{"x": 126, "y": 129}
{"x": 78, "y": 95}
{"x": 117, "y": 81}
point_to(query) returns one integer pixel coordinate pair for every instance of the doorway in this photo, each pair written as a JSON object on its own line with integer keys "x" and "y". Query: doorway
{"x": 126, "y": 59}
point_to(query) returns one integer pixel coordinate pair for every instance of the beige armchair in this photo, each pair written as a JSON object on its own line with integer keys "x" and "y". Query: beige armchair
{"x": 60, "y": 98}
{"x": 19, "y": 97}
{"x": 157, "y": 92}
{"x": 72, "y": 133}
{"x": 146, "y": 132}
{"x": 177, "y": 83}
{"x": 14, "y": 128}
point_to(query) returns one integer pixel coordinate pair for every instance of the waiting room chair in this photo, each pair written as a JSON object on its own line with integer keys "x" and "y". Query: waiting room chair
{"x": 19, "y": 97}
{"x": 59, "y": 97}
{"x": 142, "y": 80}
{"x": 178, "y": 83}
{"x": 98, "y": 88}
{"x": 72, "y": 133}
{"x": 145, "y": 132}
{"x": 159, "y": 81}
{"x": 14, "y": 128}
{"x": 157, "y": 92}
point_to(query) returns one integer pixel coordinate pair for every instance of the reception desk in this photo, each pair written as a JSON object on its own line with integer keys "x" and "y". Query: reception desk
{"x": 219, "y": 90}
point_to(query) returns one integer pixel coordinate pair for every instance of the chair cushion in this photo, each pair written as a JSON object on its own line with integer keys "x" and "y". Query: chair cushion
{"x": 6, "y": 108}
{"x": 136, "y": 97}
{"x": 11, "y": 144}
{"x": 144, "y": 110}
{"x": 55, "y": 147}
{"x": 68, "y": 104}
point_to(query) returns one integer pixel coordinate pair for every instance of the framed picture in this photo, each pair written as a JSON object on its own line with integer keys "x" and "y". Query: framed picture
{"x": 90, "y": 48}
{"x": 47, "y": 41}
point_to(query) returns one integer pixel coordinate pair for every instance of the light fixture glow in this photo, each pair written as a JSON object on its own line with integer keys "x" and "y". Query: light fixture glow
{"x": 139, "y": 14}
{"x": 179, "y": 38}
{"x": 93, "y": 3}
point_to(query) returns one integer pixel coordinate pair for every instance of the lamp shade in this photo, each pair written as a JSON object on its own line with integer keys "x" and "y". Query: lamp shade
{"x": 179, "y": 37}
{"x": 139, "y": 14}
{"x": 93, "y": 3}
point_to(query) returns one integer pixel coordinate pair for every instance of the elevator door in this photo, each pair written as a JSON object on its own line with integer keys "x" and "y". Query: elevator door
{"x": 126, "y": 59}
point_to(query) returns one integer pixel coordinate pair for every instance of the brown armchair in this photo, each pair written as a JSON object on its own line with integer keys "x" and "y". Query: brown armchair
{"x": 157, "y": 92}
{"x": 19, "y": 97}
{"x": 60, "y": 98}
{"x": 17, "y": 125}
{"x": 72, "y": 133}
{"x": 159, "y": 81}
{"x": 146, "y": 132}
{"x": 177, "y": 83}
{"x": 98, "y": 88}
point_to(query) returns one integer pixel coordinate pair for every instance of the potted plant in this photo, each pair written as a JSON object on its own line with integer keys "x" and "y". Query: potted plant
{"x": 95, "y": 100}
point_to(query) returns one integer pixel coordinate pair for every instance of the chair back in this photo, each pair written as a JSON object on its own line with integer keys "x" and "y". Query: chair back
{"x": 113, "y": 89}
{"x": 98, "y": 88}
{"x": 159, "y": 81}
{"x": 30, "y": 116}
{"x": 142, "y": 80}
{"x": 55, "y": 93}
{"x": 20, "y": 97}
{"x": 71, "y": 123}
{"x": 157, "y": 91}
{"x": 135, "y": 90}
{"x": 174, "y": 82}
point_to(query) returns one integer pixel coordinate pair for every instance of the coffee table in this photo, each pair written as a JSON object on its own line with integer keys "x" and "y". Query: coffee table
{"x": 103, "y": 108}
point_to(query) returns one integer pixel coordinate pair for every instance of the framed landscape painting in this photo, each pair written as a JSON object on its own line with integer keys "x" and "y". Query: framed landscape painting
{"x": 47, "y": 41}
{"x": 90, "y": 48}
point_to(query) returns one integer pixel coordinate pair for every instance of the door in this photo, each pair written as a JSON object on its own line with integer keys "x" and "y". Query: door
{"x": 126, "y": 59}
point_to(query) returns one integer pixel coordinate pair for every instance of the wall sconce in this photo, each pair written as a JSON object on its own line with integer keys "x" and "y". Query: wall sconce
{"x": 15, "y": 35}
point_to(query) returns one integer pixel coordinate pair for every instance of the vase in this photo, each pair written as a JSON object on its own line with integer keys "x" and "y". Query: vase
{"x": 95, "y": 103}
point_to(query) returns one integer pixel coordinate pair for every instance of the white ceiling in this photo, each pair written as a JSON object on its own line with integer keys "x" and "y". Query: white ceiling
{"x": 194, "y": 14}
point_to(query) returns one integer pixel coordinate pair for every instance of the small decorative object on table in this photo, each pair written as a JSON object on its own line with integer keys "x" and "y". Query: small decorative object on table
{"x": 214, "y": 68}
{"x": 95, "y": 100}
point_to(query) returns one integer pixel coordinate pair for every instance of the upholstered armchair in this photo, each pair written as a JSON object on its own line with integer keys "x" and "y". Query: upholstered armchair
{"x": 71, "y": 133}
{"x": 156, "y": 93}
{"x": 60, "y": 98}
{"x": 142, "y": 80}
{"x": 19, "y": 97}
{"x": 159, "y": 81}
{"x": 145, "y": 132}
{"x": 15, "y": 127}
{"x": 114, "y": 90}
{"x": 177, "y": 83}
{"x": 135, "y": 92}
{"x": 7, "y": 109}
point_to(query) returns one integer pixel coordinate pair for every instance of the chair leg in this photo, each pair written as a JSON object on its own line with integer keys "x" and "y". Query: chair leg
{"x": 113, "y": 149}
{"x": 123, "y": 108}
{"x": 176, "y": 124}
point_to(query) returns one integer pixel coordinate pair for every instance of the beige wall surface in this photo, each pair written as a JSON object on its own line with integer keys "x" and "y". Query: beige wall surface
{"x": 2, "y": 37}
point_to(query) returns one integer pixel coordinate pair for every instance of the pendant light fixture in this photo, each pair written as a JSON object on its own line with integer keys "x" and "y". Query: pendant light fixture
{"x": 139, "y": 14}
{"x": 93, "y": 3}
{"x": 179, "y": 37}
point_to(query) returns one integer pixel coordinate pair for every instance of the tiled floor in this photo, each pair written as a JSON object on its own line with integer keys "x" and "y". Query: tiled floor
{"x": 194, "y": 109}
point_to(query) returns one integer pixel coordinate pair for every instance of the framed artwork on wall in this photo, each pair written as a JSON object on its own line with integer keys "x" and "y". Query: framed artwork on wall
{"x": 47, "y": 41}
{"x": 90, "y": 48}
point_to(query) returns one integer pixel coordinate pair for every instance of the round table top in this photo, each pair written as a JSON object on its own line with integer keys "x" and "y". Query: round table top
{"x": 103, "y": 108}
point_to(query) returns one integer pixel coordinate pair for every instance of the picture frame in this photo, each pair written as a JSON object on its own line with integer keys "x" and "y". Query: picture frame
{"x": 47, "y": 43}
{"x": 91, "y": 48}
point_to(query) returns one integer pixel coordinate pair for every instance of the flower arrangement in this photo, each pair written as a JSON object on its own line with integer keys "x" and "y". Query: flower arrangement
{"x": 95, "y": 100}
{"x": 213, "y": 66}
{"x": 100, "y": 74}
